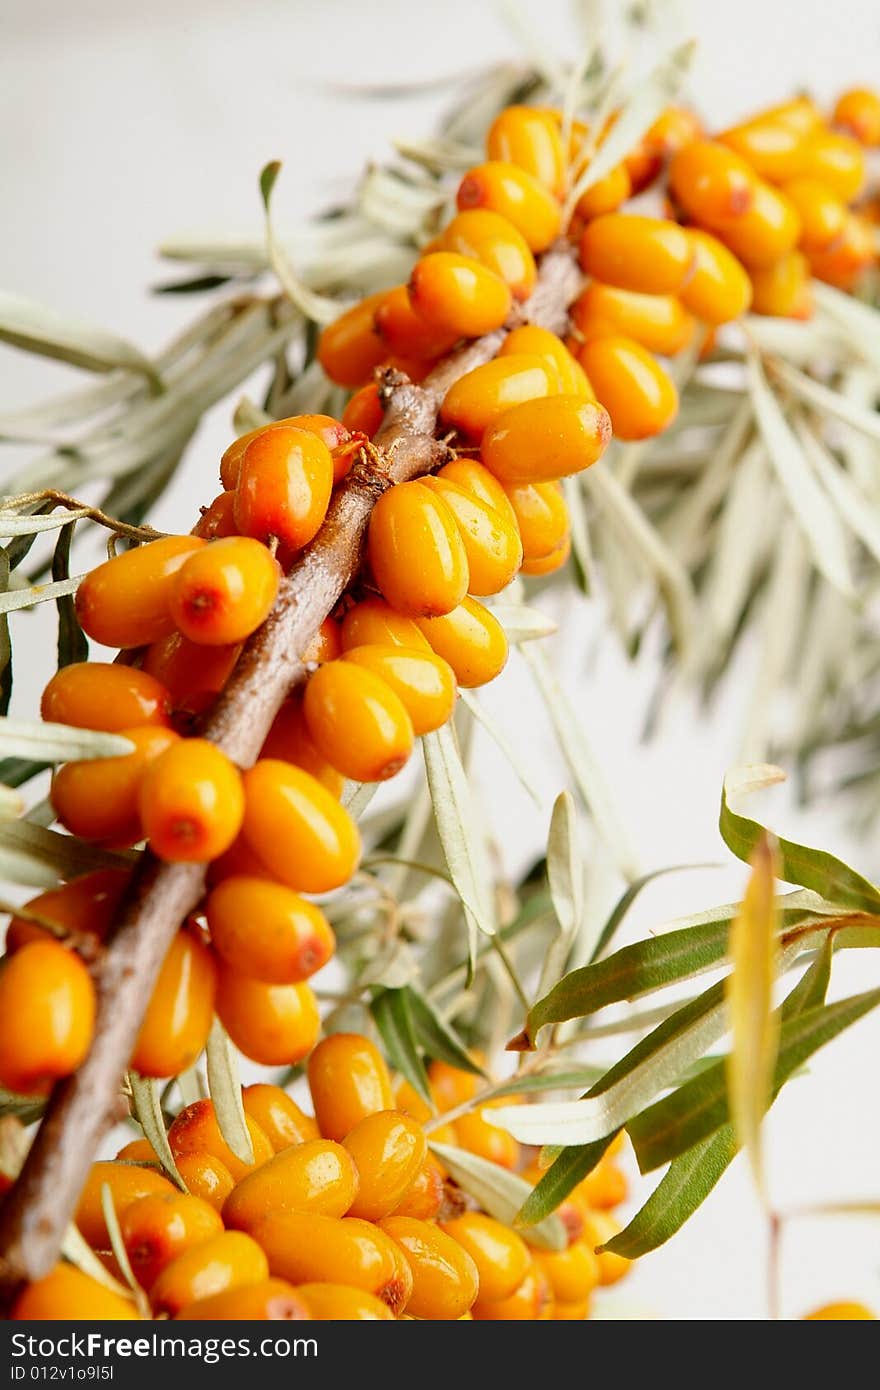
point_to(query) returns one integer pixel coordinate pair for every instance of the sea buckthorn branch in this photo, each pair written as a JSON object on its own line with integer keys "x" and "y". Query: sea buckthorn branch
{"x": 37, "y": 1211}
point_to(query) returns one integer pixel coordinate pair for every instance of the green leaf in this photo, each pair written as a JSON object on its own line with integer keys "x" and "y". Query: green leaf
{"x": 147, "y": 1109}
{"x": 572, "y": 1079}
{"x": 569, "y": 1168}
{"x": 628, "y": 897}
{"x": 35, "y": 328}
{"x": 813, "y": 868}
{"x": 436, "y": 1036}
{"x": 268, "y": 177}
{"x": 25, "y": 1108}
{"x": 14, "y": 772}
{"x": 72, "y": 643}
{"x": 28, "y": 597}
{"x": 58, "y": 743}
{"x": 35, "y": 857}
{"x": 565, "y": 865}
{"x": 393, "y": 1018}
{"x": 224, "y": 1088}
{"x": 500, "y": 1193}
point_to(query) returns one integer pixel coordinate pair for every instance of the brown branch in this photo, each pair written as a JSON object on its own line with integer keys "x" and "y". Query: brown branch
{"x": 39, "y": 1207}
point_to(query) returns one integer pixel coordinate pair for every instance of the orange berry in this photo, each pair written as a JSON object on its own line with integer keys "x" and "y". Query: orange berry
{"x": 308, "y": 1248}
{"x": 458, "y": 295}
{"x": 364, "y": 412}
{"x": 635, "y": 390}
{"x": 388, "y": 1149}
{"x": 451, "y": 1086}
{"x": 193, "y": 674}
{"x": 481, "y": 395}
{"x": 267, "y": 931}
{"x": 342, "y": 1303}
{"x": 218, "y": 520}
{"x": 491, "y": 541}
{"x": 673, "y": 129}
{"x": 471, "y": 640}
{"x": 541, "y": 517}
{"x": 445, "y": 1278}
{"x": 87, "y": 904}
{"x": 275, "y": 1025}
{"x": 502, "y": 187}
{"x": 180, "y": 1013}
{"x": 284, "y": 486}
{"x": 357, "y": 722}
{"x": 571, "y": 1312}
{"x": 225, "y": 592}
{"x": 47, "y": 1014}
{"x": 606, "y": 194}
{"x": 489, "y": 238}
{"x": 501, "y": 1256}
{"x": 800, "y": 113}
{"x": 326, "y": 645}
{"x": 531, "y": 1301}
{"x": 838, "y": 161}
{"x": 290, "y": 741}
{"x": 126, "y": 601}
{"x": 206, "y": 1177}
{"x": 767, "y": 232}
{"x": 841, "y": 1312}
{"x": 240, "y": 859}
{"x": 658, "y": 321}
{"x": 416, "y": 552}
{"x": 227, "y": 1261}
{"x": 573, "y": 1273}
{"x": 196, "y": 1131}
{"x": 271, "y": 1300}
{"x": 549, "y": 564}
{"x": 406, "y": 332}
{"x": 317, "y": 1175}
{"x": 783, "y": 289}
{"x": 191, "y": 802}
{"x": 858, "y": 112}
{"x": 139, "y": 1151}
{"x": 530, "y": 139}
{"x": 98, "y": 695}
{"x": 647, "y": 254}
{"x": 821, "y": 212}
{"x": 479, "y": 1136}
{"x": 774, "y": 149}
{"x": 545, "y": 439}
{"x": 374, "y": 622}
{"x": 158, "y": 1228}
{"x": 423, "y": 682}
{"x": 540, "y": 342}
{"x": 68, "y": 1295}
{"x": 333, "y": 433}
{"x": 128, "y": 1183}
{"x": 848, "y": 256}
{"x": 97, "y": 799}
{"x": 719, "y": 289}
{"x": 298, "y": 829}
{"x": 278, "y": 1115}
{"x": 424, "y": 1196}
{"x": 349, "y": 347}
{"x": 711, "y": 182}
{"x": 348, "y": 1079}
{"x": 604, "y": 1187}
{"x": 475, "y": 478}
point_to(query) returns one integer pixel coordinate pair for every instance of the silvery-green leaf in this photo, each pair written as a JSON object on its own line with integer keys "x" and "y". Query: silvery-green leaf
{"x": 569, "y": 1168}
{"x": 500, "y": 1193}
{"x": 37, "y": 858}
{"x": 500, "y": 739}
{"x": 11, "y": 803}
{"x": 439, "y": 155}
{"x": 356, "y": 797}
{"x": 437, "y": 1037}
{"x": 248, "y": 416}
{"x": 581, "y": 549}
{"x": 461, "y": 833}
{"x": 566, "y": 869}
{"x": 857, "y": 510}
{"x": 28, "y": 597}
{"x": 118, "y": 1250}
{"x": 858, "y": 321}
{"x": 224, "y": 1088}
{"x": 147, "y": 1108}
{"x": 522, "y": 624}
{"x": 826, "y": 401}
{"x": 21, "y": 524}
{"x": 75, "y": 1249}
{"x": 58, "y": 743}
{"x": 32, "y": 326}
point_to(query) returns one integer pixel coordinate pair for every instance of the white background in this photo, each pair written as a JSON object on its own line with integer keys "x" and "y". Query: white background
{"x": 124, "y": 124}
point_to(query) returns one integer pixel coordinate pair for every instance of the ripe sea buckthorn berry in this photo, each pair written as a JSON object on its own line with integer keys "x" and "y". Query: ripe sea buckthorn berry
{"x": 571, "y": 1312}
{"x": 191, "y": 802}
{"x": 334, "y": 433}
{"x": 97, "y": 799}
{"x": 475, "y": 478}
{"x": 180, "y": 1013}
{"x": 452, "y": 1086}
{"x": 68, "y": 1295}
{"x": 195, "y": 1131}
{"x": 516, "y": 195}
{"x": 491, "y": 541}
{"x": 801, "y": 113}
{"x": 422, "y": 681}
{"x": 531, "y": 1301}
{"x": 284, "y": 486}
{"x": 821, "y": 212}
{"x": 224, "y": 592}
{"x": 531, "y": 340}
{"x": 406, "y": 332}
{"x": 267, "y": 931}
{"x": 480, "y": 396}
{"x": 675, "y": 127}
{"x": 298, "y": 828}
{"x": 278, "y": 1115}
{"x": 47, "y": 1014}
{"x": 357, "y": 722}
{"x": 541, "y": 516}
{"x": 86, "y": 904}
{"x": 838, "y": 161}
{"x": 478, "y": 1135}
{"x": 783, "y": 289}
{"x": 98, "y": 695}
{"x": 374, "y": 622}
{"x": 445, "y": 1278}
{"x": 218, "y": 520}
{"x": 290, "y": 741}
{"x": 767, "y": 232}
{"x": 271, "y": 1300}
{"x": 342, "y": 1303}
{"x": 501, "y": 1256}
{"x": 276, "y": 1025}
{"x": 548, "y": 564}
{"x": 605, "y": 1187}
{"x": 606, "y": 194}
{"x": 638, "y": 394}
{"x": 458, "y": 295}
{"x": 349, "y": 347}
{"x": 424, "y": 1196}
{"x": 658, "y": 321}
{"x": 489, "y": 238}
{"x": 848, "y": 256}
{"x": 239, "y": 860}
{"x": 858, "y": 112}
{"x": 573, "y": 1273}
{"x": 774, "y": 149}
{"x": 719, "y": 289}
{"x": 227, "y": 1261}
{"x": 841, "y": 1312}
{"x": 307, "y": 1248}
{"x": 128, "y": 1183}
{"x": 364, "y": 412}
{"x": 388, "y": 1149}
{"x": 126, "y": 601}
{"x": 158, "y": 1228}
{"x": 601, "y": 1227}
{"x": 531, "y": 140}
{"x": 326, "y": 645}
{"x": 416, "y": 553}
{"x": 193, "y": 674}
{"x": 206, "y": 1177}
{"x": 348, "y": 1079}
{"x": 317, "y": 1175}
{"x": 647, "y": 254}
{"x": 139, "y": 1151}
{"x": 471, "y": 640}
{"x": 546, "y": 439}
{"x": 712, "y": 183}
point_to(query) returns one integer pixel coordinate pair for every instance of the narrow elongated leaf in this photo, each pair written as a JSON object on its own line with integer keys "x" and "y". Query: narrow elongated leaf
{"x": 523, "y": 624}
{"x": 11, "y": 803}
{"x": 437, "y": 1037}
{"x": 31, "y": 326}
{"x": 117, "y": 1247}
{"x": 813, "y": 868}
{"x": 628, "y": 897}
{"x": 14, "y": 599}
{"x": 501, "y": 740}
{"x": 565, "y": 865}
{"x": 31, "y": 524}
{"x": 500, "y": 1193}
{"x": 568, "y": 1079}
{"x": 754, "y": 1026}
{"x": 565, "y": 1172}
{"x": 319, "y": 308}
{"x": 58, "y": 743}
{"x": 856, "y": 509}
{"x": 860, "y": 322}
{"x": 72, "y": 643}
{"x": 147, "y": 1107}
{"x": 581, "y": 548}
{"x": 38, "y": 858}
{"x": 15, "y": 772}
{"x": 224, "y": 1088}
{"x": 75, "y": 1249}
{"x": 826, "y": 401}
{"x": 5, "y": 643}
{"x": 391, "y": 1012}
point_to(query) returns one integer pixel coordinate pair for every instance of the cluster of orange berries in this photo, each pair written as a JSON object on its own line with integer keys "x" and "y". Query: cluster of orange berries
{"x": 346, "y": 1215}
